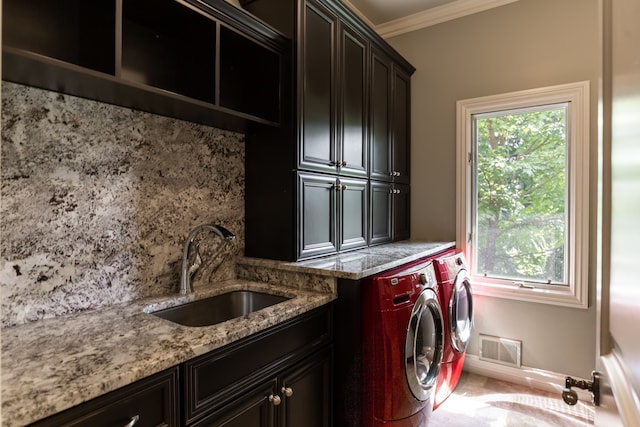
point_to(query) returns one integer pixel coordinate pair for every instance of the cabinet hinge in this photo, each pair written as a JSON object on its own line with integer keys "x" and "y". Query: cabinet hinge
{"x": 469, "y": 157}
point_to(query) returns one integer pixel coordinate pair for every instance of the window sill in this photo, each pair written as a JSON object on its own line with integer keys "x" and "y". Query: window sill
{"x": 565, "y": 296}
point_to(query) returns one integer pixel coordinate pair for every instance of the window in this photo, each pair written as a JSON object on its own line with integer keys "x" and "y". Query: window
{"x": 523, "y": 193}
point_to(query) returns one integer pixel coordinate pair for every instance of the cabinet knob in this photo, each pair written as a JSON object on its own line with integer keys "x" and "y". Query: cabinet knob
{"x": 287, "y": 391}
{"x": 334, "y": 163}
{"x": 133, "y": 421}
{"x": 343, "y": 163}
{"x": 344, "y": 187}
{"x": 275, "y": 399}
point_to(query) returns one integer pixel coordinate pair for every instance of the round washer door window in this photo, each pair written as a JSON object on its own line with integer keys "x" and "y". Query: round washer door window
{"x": 423, "y": 345}
{"x": 461, "y": 312}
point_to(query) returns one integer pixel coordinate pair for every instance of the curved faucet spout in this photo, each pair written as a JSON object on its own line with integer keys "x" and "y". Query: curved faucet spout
{"x": 189, "y": 269}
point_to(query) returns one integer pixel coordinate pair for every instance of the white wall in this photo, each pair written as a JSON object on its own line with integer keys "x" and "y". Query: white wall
{"x": 522, "y": 45}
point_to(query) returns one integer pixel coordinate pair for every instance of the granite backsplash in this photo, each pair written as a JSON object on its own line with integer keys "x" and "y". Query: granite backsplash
{"x": 97, "y": 200}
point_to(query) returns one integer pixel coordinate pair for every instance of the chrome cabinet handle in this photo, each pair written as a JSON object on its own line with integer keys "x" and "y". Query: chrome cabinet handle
{"x": 287, "y": 391}
{"x": 275, "y": 399}
{"x": 134, "y": 420}
{"x": 339, "y": 163}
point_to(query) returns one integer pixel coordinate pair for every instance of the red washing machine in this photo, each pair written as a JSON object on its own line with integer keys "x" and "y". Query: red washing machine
{"x": 454, "y": 291}
{"x": 403, "y": 343}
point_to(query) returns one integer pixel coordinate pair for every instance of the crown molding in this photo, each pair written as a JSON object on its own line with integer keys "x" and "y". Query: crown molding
{"x": 436, "y": 15}
{"x": 359, "y": 13}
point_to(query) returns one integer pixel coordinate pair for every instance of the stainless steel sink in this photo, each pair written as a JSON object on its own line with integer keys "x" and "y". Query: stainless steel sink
{"x": 219, "y": 308}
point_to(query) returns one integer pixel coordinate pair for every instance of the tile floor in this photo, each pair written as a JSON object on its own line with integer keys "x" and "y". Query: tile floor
{"x": 485, "y": 402}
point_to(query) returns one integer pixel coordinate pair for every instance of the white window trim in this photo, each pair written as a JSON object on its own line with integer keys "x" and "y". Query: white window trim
{"x": 577, "y": 95}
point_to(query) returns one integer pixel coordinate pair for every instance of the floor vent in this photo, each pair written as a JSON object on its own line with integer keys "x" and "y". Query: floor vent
{"x": 501, "y": 350}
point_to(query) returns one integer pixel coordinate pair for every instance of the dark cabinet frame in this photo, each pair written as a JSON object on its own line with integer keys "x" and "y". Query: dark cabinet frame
{"x": 327, "y": 91}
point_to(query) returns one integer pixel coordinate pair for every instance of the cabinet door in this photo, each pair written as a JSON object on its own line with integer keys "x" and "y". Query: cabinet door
{"x": 151, "y": 402}
{"x": 353, "y": 209}
{"x": 401, "y": 126}
{"x": 381, "y": 212}
{"x": 401, "y": 212}
{"x": 306, "y": 393}
{"x": 254, "y": 409}
{"x": 317, "y": 136}
{"x": 380, "y": 165}
{"x": 352, "y": 127}
{"x": 316, "y": 215}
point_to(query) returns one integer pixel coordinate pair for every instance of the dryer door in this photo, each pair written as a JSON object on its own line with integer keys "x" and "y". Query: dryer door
{"x": 423, "y": 345}
{"x": 461, "y": 312}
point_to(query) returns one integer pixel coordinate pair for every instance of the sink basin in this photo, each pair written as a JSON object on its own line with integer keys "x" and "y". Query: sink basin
{"x": 219, "y": 308}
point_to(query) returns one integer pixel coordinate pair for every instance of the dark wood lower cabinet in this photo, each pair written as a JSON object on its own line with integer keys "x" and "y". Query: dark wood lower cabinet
{"x": 251, "y": 410}
{"x": 306, "y": 393}
{"x": 151, "y": 402}
{"x": 298, "y": 397}
{"x": 390, "y": 212}
{"x": 279, "y": 377}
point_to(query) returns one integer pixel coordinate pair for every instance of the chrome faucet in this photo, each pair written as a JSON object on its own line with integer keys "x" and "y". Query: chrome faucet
{"x": 189, "y": 269}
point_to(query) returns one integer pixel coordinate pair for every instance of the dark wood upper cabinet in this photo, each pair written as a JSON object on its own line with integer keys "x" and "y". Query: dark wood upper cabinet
{"x": 353, "y": 103}
{"x": 380, "y": 119}
{"x": 318, "y": 106}
{"x": 348, "y": 123}
{"x": 199, "y": 60}
{"x": 400, "y": 138}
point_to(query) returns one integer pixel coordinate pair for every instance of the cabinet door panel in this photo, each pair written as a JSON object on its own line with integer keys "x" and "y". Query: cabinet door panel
{"x": 380, "y": 131}
{"x": 153, "y": 400}
{"x": 381, "y": 214}
{"x": 401, "y": 120}
{"x": 401, "y": 213}
{"x": 317, "y": 145}
{"x": 353, "y": 213}
{"x": 317, "y": 214}
{"x": 353, "y": 103}
{"x": 310, "y": 402}
{"x": 253, "y": 410}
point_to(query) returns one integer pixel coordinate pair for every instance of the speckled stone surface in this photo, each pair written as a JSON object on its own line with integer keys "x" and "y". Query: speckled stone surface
{"x": 352, "y": 265}
{"x": 97, "y": 201}
{"x": 57, "y": 363}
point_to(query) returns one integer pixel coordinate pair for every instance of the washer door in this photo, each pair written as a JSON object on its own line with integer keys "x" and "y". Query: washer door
{"x": 461, "y": 312}
{"x": 424, "y": 344}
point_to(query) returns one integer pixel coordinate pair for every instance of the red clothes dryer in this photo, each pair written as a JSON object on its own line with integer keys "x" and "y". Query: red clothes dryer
{"x": 454, "y": 291}
{"x": 403, "y": 340}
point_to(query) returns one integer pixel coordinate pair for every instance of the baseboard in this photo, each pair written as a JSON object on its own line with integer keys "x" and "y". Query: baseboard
{"x": 539, "y": 379}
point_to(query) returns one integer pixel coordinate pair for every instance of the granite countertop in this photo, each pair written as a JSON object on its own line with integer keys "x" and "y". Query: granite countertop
{"x": 52, "y": 365}
{"x": 359, "y": 263}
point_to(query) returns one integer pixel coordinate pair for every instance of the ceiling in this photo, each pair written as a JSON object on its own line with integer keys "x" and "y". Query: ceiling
{"x": 394, "y": 17}
{"x": 381, "y": 11}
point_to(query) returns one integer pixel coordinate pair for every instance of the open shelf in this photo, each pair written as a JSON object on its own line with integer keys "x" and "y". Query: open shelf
{"x": 160, "y": 56}
{"x": 179, "y": 57}
{"x": 74, "y": 31}
{"x": 245, "y": 87}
